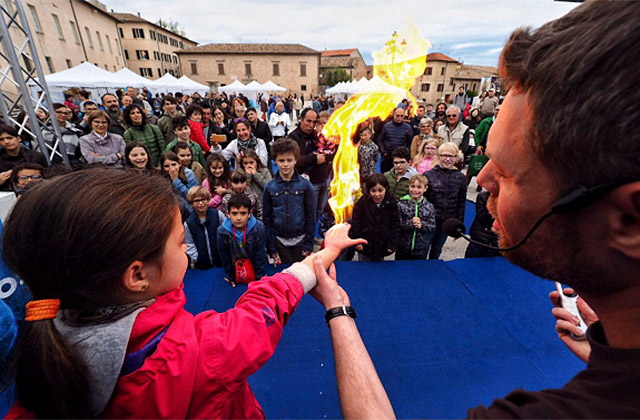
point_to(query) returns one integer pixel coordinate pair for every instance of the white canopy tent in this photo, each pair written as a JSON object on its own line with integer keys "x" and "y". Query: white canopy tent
{"x": 269, "y": 86}
{"x": 167, "y": 83}
{"x": 191, "y": 86}
{"x": 128, "y": 78}
{"x": 236, "y": 86}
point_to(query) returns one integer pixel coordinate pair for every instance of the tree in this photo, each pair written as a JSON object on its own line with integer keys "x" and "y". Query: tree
{"x": 334, "y": 75}
{"x": 172, "y": 26}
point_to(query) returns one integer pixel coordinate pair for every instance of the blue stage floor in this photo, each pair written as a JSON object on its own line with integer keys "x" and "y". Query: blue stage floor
{"x": 444, "y": 336}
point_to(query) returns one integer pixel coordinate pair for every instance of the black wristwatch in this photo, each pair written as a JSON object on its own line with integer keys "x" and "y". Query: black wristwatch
{"x": 339, "y": 311}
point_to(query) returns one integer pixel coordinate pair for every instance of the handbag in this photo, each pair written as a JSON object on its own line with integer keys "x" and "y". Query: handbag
{"x": 243, "y": 267}
{"x": 476, "y": 163}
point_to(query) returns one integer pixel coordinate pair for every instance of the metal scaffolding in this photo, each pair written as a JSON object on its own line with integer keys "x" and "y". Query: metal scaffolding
{"x": 24, "y": 74}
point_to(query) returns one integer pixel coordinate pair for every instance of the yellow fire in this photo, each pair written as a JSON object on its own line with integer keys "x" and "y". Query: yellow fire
{"x": 396, "y": 66}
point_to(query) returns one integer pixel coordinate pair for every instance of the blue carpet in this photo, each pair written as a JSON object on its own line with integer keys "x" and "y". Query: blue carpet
{"x": 444, "y": 336}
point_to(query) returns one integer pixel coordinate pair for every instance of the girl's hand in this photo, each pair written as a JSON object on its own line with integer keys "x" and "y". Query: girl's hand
{"x": 250, "y": 170}
{"x": 338, "y": 237}
{"x": 173, "y": 172}
{"x": 221, "y": 190}
{"x": 566, "y": 324}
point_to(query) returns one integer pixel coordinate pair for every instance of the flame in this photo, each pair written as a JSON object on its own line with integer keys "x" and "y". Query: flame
{"x": 396, "y": 66}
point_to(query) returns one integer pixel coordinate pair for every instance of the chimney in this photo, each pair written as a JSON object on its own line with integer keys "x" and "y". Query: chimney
{"x": 139, "y": 14}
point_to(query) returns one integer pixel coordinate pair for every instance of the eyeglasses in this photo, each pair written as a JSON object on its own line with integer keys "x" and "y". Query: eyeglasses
{"x": 402, "y": 162}
{"x": 31, "y": 177}
{"x": 200, "y": 200}
{"x": 452, "y": 116}
{"x": 447, "y": 157}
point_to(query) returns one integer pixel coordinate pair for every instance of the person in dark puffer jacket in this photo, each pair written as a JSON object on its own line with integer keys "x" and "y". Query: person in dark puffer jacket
{"x": 481, "y": 230}
{"x": 417, "y": 221}
{"x": 447, "y": 192}
{"x": 375, "y": 218}
{"x": 394, "y": 134}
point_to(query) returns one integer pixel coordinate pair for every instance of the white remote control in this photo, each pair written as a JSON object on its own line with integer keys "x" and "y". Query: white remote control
{"x": 570, "y": 303}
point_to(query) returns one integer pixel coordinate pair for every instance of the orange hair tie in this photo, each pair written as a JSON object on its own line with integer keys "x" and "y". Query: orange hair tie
{"x": 37, "y": 310}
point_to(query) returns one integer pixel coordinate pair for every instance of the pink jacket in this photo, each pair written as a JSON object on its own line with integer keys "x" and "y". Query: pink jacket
{"x": 216, "y": 199}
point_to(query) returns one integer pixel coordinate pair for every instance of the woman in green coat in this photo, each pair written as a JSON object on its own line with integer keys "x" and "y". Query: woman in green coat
{"x": 139, "y": 130}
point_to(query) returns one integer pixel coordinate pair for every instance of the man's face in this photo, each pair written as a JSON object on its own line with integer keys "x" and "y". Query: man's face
{"x": 252, "y": 116}
{"x": 420, "y": 112}
{"x": 308, "y": 123}
{"x": 461, "y": 90}
{"x": 89, "y": 108}
{"x": 398, "y": 115}
{"x": 126, "y": 101}
{"x": 9, "y": 143}
{"x": 429, "y": 108}
{"x": 239, "y": 216}
{"x": 131, "y": 92}
{"x": 169, "y": 108}
{"x": 110, "y": 102}
{"x": 492, "y": 93}
{"x": 453, "y": 116}
{"x": 522, "y": 190}
{"x": 206, "y": 115}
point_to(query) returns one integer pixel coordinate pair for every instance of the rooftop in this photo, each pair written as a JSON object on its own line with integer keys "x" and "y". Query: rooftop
{"x": 436, "y": 56}
{"x": 335, "y": 53}
{"x": 249, "y": 49}
{"x": 130, "y": 17}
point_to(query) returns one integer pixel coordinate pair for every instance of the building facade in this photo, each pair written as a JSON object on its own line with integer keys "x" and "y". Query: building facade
{"x": 470, "y": 77}
{"x": 292, "y": 66}
{"x": 349, "y": 60}
{"x": 149, "y": 49}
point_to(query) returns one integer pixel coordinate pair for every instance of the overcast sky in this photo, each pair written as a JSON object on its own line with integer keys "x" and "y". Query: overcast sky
{"x": 472, "y": 31}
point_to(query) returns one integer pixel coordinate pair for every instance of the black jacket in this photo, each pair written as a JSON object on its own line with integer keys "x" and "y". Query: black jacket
{"x": 307, "y": 163}
{"x": 9, "y": 162}
{"x": 481, "y": 226}
{"x": 262, "y": 131}
{"x": 379, "y": 225}
{"x": 447, "y": 192}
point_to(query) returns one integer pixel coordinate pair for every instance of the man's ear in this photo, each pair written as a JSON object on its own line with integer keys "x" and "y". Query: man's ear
{"x": 136, "y": 277}
{"x": 624, "y": 220}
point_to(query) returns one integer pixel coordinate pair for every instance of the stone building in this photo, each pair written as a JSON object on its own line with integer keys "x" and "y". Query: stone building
{"x": 149, "y": 49}
{"x": 471, "y": 76}
{"x": 292, "y": 66}
{"x": 349, "y": 60}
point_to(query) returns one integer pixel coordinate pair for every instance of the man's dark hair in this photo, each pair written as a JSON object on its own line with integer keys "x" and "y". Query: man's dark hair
{"x": 205, "y": 105}
{"x": 180, "y": 121}
{"x": 401, "y": 152}
{"x": 170, "y": 99}
{"x": 306, "y": 111}
{"x": 84, "y": 105}
{"x": 239, "y": 200}
{"x": 252, "y": 110}
{"x": 283, "y": 146}
{"x": 179, "y": 95}
{"x": 583, "y": 137}
{"x": 9, "y": 130}
{"x": 193, "y": 108}
{"x": 107, "y": 94}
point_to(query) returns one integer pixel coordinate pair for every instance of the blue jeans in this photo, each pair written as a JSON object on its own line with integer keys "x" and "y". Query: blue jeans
{"x": 320, "y": 193}
{"x": 438, "y": 242}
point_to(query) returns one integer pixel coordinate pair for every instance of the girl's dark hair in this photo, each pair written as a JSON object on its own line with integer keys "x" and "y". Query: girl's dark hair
{"x": 375, "y": 179}
{"x": 237, "y": 176}
{"x": 83, "y": 229}
{"x": 182, "y": 176}
{"x": 191, "y": 109}
{"x": 127, "y": 160}
{"x": 251, "y": 154}
{"x": 9, "y": 130}
{"x": 213, "y": 181}
{"x": 126, "y": 114}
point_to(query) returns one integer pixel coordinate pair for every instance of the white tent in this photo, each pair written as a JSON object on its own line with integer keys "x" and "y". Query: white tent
{"x": 191, "y": 86}
{"x": 255, "y": 86}
{"x": 128, "y": 78}
{"x": 167, "y": 83}
{"x": 272, "y": 87}
{"x": 236, "y": 86}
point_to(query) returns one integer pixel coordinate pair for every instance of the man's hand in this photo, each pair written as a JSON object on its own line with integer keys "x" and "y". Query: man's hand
{"x": 338, "y": 237}
{"x": 327, "y": 290}
{"x": 4, "y": 176}
{"x": 567, "y": 324}
{"x": 320, "y": 158}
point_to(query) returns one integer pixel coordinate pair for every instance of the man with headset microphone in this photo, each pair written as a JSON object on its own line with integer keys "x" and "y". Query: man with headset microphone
{"x": 565, "y": 195}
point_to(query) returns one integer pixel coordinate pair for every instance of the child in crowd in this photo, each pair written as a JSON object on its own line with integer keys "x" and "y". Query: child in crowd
{"x": 417, "y": 221}
{"x": 182, "y": 150}
{"x": 424, "y": 159}
{"x": 194, "y": 114}
{"x": 136, "y": 157}
{"x": 368, "y": 153}
{"x": 201, "y": 230}
{"x": 399, "y": 175}
{"x": 217, "y": 180}
{"x": 257, "y": 174}
{"x": 289, "y": 207}
{"x": 375, "y": 218}
{"x": 181, "y": 178}
{"x": 242, "y": 236}
{"x": 238, "y": 181}
{"x": 182, "y": 130}
{"x": 24, "y": 174}
{"x": 325, "y": 146}
{"x": 112, "y": 336}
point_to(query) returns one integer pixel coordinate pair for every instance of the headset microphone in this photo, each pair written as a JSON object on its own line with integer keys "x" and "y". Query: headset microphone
{"x": 573, "y": 199}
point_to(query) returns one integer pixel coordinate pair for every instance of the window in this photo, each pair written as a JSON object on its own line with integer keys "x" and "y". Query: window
{"x": 303, "y": 69}
{"x": 175, "y": 59}
{"x": 452, "y": 83}
{"x": 174, "y": 42}
{"x": 163, "y": 38}
{"x": 247, "y": 69}
{"x": 276, "y": 69}
{"x": 440, "y": 87}
{"x": 99, "y": 41}
{"x": 58, "y": 27}
{"x": 27, "y": 63}
{"x": 221, "y": 68}
{"x": 106, "y": 67}
{"x": 50, "y": 64}
{"x": 142, "y": 54}
{"x": 156, "y": 55}
{"x": 68, "y": 63}
{"x": 454, "y": 87}
{"x": 126, "y": 54}
{"x": 34, "y": 16}
{"x": 146, "y": 72}
{"x": 89, "y": 37}
{"x": 181, "y": 45}
{"x": 137, "y": 32}
{"x": 194, "y": 67}
{"x": 428, "y": 71}
{"x": 114, "y": 68}
{"x": 442, "y": 72}
{"x": 121, "y": 33}
{"x": 74, "y": 31}
{"x": 109, "y": 43}
{"x": 159, "y": 73}
{"x": 303, "y": 88}
{"x": 426, "y": 87}
{"x": 152, "y": 34}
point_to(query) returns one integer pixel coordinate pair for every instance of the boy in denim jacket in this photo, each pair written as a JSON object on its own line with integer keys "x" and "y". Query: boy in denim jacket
{"x": 289, "y": 207}
{"x": 241, "y": 236}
